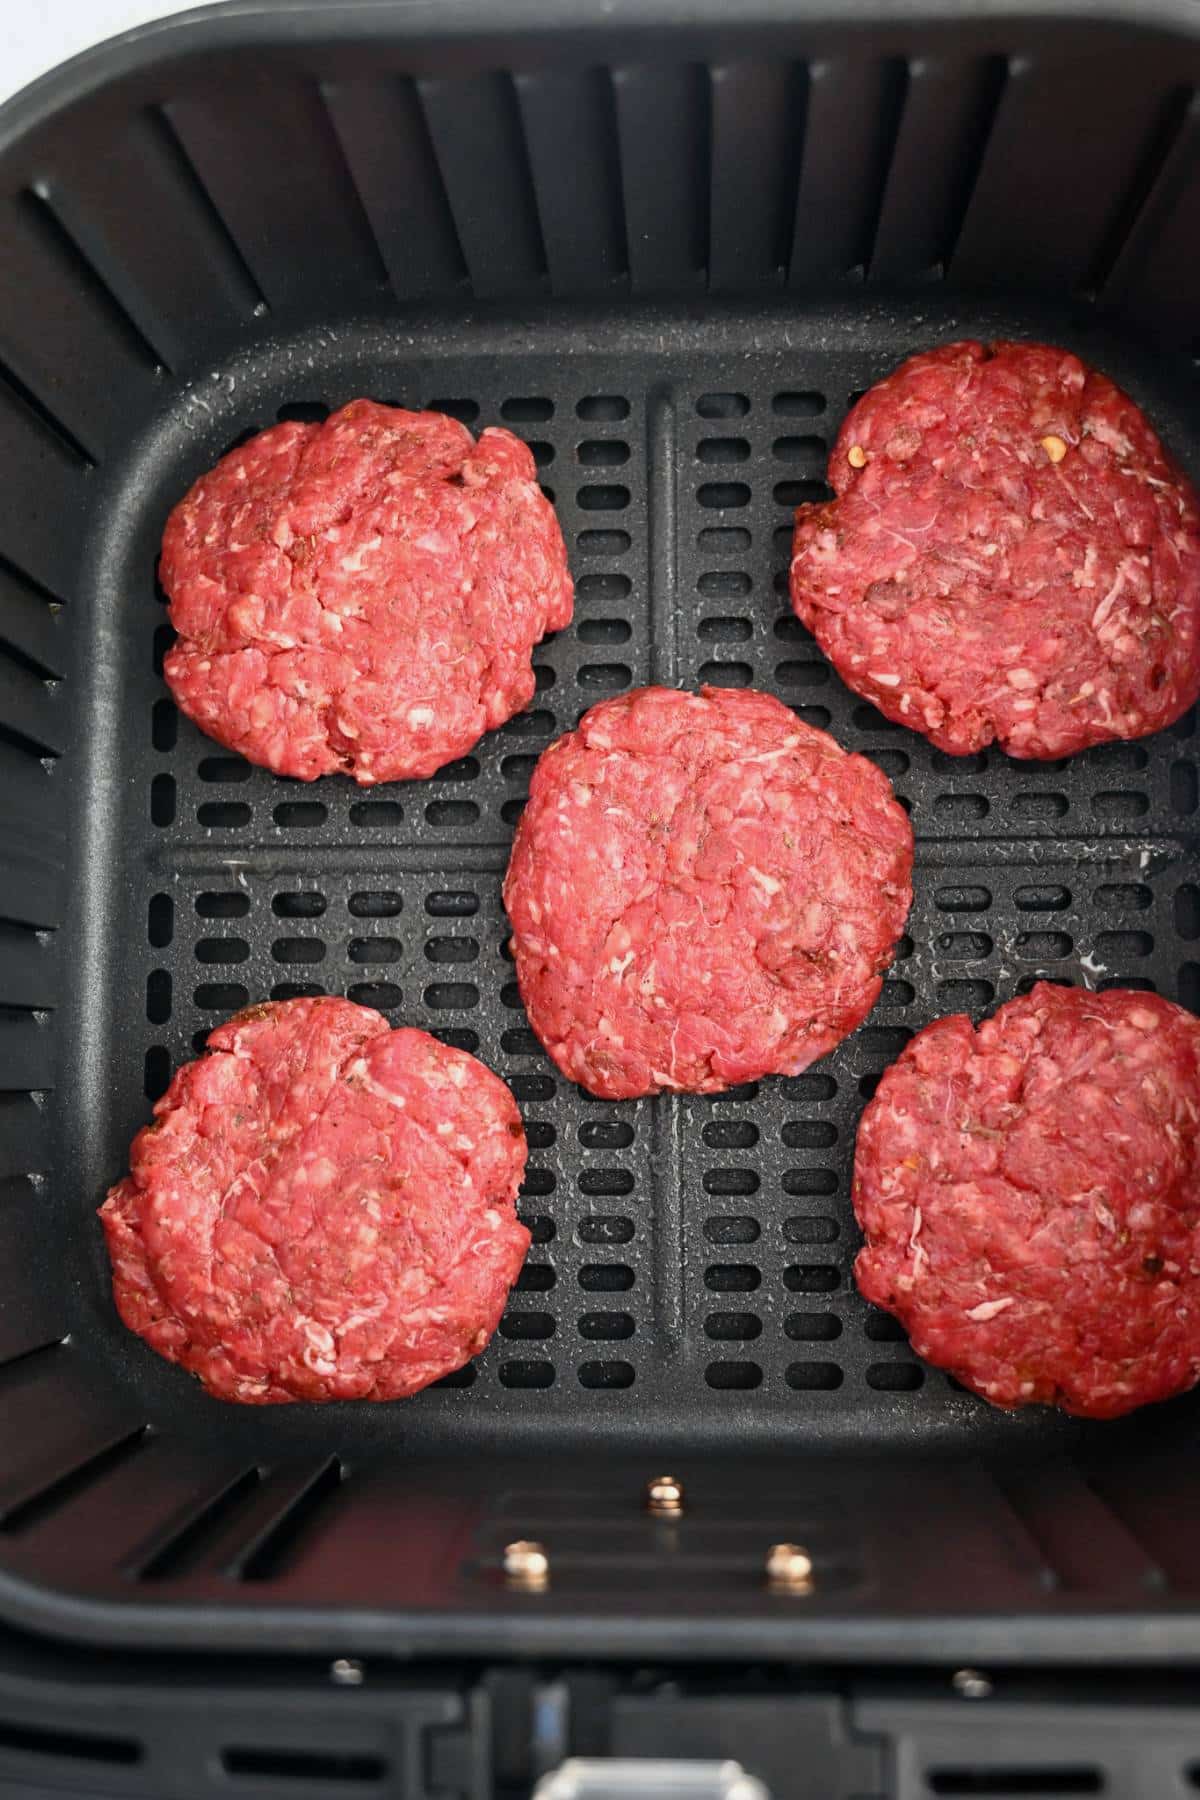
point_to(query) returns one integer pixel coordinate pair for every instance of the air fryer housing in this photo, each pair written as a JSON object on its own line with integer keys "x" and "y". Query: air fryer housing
{"x": 668, "y": 245}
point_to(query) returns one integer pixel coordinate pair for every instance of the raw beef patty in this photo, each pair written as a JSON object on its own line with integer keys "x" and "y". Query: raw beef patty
{"x": 1030, "y": 1195}
{"x": 362, "y": 595}
{"x": 323, "y": 1209}
{"x": 1011, "y": 555}
{"x": 702, "y": 890}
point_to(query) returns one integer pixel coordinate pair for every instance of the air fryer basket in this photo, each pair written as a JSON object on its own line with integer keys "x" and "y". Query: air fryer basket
{"x": 668, "y": 254}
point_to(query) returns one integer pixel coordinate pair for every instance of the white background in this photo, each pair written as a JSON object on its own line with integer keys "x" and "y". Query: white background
{"x": 36, "y": 35}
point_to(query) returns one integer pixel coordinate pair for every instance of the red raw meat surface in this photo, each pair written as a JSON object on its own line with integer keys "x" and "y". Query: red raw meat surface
{"x": 975, "y": 589}
{"x": 703, "y": 890}
{"x": 323, "y": 1208}
{"x": 1030, "y": 1196}
{"x": 363, "y": 595}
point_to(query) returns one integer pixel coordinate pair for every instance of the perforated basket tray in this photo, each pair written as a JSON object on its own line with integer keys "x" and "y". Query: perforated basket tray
{"x": 689, "y": 1290}
{"x": 692, "y": 1255}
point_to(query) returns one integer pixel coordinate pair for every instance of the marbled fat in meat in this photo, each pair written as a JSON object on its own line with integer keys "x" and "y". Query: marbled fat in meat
{"x": 703, "y": 890}
{"x": 322, "y": 1209}
{"x": 1012, "y": 556}
{"x": 362, "y": 596}
{"x": 1029, "y": 1191}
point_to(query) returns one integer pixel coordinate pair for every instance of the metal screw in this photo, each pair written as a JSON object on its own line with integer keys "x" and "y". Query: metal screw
{"x": 664, "y": 1497}
{"x": 789, "y": 1569}
{"x": 347, "y": 1671}
{"x": 526, "y": 1565}
{"x": 972, "y": 1684}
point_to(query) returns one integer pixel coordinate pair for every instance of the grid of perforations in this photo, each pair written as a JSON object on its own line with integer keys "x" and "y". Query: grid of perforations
{"x": 695, "y": 1251}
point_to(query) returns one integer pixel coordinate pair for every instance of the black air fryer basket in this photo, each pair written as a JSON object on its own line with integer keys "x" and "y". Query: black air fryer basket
{"x": 667, "y": 245}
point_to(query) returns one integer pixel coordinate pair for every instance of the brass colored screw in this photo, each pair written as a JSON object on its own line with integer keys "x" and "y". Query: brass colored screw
{"x": 527, "y": 1566}
{"x": 664, "y": 1497}
{"x": 856, "y": 456}
{"x": 789, "y": 1569}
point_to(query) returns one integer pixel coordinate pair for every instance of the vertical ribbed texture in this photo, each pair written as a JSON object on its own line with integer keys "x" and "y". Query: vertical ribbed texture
{"x": 1155, "y": 1497}
{"x": 663, "y": 130}
{"x": 947, "y": 114}
{"x": 280, "y": 1502}
{"x": 757, "y": 136}
{"x": 1047, "y": 189}
{"x": 27, "y": 1319}
{"x": 383, "y": 131}
{"x": 853, "y": 110}
{"x": 1088, "y": 1547}
{"x": 32, "y": 841}
{"x": 33, "y": 728}
{"x": 271, "y": 163}
{"x": 58, "y": 327}
{"x": 28, "y": 968}
{"x": 24, "y": 1139}
{"x": 30, "y": 708}
{"x": 44, "y": 484}
{"x": 29, "y": 623}
{"x": 477, "y": 137}
{"x": 143, "y": 1504}
{"x": 56, "y": 1427}
{"x": 139, "y": 214}
{"x": 298, "y": 1507}
{"x": 578, "y": 188}
{"x": 1154, "y": 274}
{"x": 26, "y": 1052}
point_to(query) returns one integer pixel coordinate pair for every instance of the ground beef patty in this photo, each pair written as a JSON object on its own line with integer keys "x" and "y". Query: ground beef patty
{"x": 321, "y": 1210}
{"x": 1030, "y": 1195}
{"x": 362, "y": 595}
{"x": 702, "y": 891}
{"x": 1012, "y": 555}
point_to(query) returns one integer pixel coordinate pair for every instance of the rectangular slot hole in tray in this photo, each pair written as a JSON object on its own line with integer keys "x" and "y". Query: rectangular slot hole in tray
{"x": 1012, "y": 1781}
{"x": 78, "y": 1745}
{"x": 303, "y": 1765}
